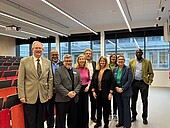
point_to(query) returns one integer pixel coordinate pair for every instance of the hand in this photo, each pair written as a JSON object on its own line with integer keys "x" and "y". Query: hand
{"x": 119, "y": 90}
{"x": 94, "y": 95}
{"x": 86, "y": 89}
{"x": 23, "y": 100}
{"x": 71, "y": 94}
{"x": 109, "y": 96}
{"x": 49, "y": 97}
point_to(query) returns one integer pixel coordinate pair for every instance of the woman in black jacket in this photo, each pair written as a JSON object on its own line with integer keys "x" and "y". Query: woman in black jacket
{"x": 102, "y": 87}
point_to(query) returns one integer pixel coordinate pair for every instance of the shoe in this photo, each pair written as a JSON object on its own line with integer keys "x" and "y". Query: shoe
{"x": 145, "y": 121}
{"x": 97, "y": 125}
{"x": 94, "y": 120}
{"x": 133, "y": 119}
{"x": 126, "y": 127}
{"x": 119, "y": 125}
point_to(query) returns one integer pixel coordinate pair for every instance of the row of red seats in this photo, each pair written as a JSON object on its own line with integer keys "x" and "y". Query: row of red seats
{"x": 9, "y": 63}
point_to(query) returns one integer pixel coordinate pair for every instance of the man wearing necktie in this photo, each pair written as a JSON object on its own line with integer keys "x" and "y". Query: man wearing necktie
{"x": 35, "y": 86}
{"x": 68, "y": 84}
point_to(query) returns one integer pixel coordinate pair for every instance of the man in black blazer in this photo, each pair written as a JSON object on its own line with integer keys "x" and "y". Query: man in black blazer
{"x": 92, "y": 67}
{"x": 55, "y": 63}
{"x": 67, "y": 84}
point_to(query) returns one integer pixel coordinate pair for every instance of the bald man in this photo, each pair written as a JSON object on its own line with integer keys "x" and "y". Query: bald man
{"x": 55, "y": 63}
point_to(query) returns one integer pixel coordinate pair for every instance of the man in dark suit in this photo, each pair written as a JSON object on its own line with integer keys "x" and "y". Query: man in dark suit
{"x": 35, "y": 86}
{"x": 55, "y": 63}
{"x": 143, "y": 77}
{"x": 92, "y": 67}
{"x": 68, "y": 85}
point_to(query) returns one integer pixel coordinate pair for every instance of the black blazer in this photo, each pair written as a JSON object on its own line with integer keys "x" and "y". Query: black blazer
{"x": 126, "y": 80}
{"x": 107, "y": 82}
{"x": 94, "y": 65}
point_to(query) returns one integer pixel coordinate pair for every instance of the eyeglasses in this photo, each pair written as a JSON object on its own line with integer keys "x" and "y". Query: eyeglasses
{"x": 55, "y": 54}
{"x": 67, "y": 61}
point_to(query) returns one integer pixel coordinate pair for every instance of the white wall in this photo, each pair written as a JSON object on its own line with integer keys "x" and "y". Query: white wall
{"x": 7, "y": 46}
{"x": 161, "y": 79}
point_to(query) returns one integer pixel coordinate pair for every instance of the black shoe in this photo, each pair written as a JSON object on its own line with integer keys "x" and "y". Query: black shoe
{"x": 94, "y": 120}
{"x": 119, "y": 125}
{"x": 126, "y": 127}
{"x": 97, "y": 125}
{"x": 133, "y": 119}
{"x": 145, "y": 121}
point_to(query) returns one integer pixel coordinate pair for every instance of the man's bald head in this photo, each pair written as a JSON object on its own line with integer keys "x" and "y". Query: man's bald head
{"x": 54, "y": 55}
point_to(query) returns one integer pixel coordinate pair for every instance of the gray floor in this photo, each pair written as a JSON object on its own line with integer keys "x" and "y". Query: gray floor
{"x": 159, "y": 112}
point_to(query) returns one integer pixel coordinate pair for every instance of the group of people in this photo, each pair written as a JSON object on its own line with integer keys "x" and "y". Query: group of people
{"x": 43, "y": 84}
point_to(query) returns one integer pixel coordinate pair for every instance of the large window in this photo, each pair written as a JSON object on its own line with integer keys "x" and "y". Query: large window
{"x": 150, "y": 40}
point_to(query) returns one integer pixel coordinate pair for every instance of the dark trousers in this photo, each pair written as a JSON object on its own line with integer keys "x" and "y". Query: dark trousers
{"x": 124, "y": 115}
{"x": 50, "y": 112}
{"x": 114, "y": 105}
{"x": 64, "y": 109}
{"x": 93, "y": 106}
{"x": 34, "y": 114}
{"x": 143, "y": 87}
{"x": 82, "y": 109}
{"x": 102, "y": 103}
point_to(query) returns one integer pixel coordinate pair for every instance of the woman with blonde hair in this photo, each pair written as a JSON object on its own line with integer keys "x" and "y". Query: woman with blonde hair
{"x": 102, "y": 87}
{"x": 83, "y": 113}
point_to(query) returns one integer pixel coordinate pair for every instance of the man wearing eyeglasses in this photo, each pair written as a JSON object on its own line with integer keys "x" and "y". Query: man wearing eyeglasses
{"x": 55, "y": 63}
{"x": 67, "y": 84}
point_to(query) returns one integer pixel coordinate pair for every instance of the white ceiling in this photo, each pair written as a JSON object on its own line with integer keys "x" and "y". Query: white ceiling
{"x": 99, "y": 15}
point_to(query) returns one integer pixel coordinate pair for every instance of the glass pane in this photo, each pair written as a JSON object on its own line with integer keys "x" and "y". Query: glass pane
{"x": 96, "y": 49}
{"x": 63, "y": 49}
{"x": 53, "y": 46}
{"x": 45, "y": 53}
{"x": 78, "y": 48}
{"x": 128, "y": 46}
{"x": 110, "y": 46}
{"x": 157, "y": 52}
{"x": 24, "y": 50}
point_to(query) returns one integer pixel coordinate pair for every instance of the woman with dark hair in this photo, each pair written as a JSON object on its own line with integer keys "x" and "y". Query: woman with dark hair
{"x": 112, "y": 65}
{"x": 123, "y": 76}
{"x": 102, "y": 87}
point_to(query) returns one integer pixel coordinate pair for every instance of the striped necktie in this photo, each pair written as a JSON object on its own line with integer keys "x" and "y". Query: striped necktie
{"x": 39, "y": 71}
